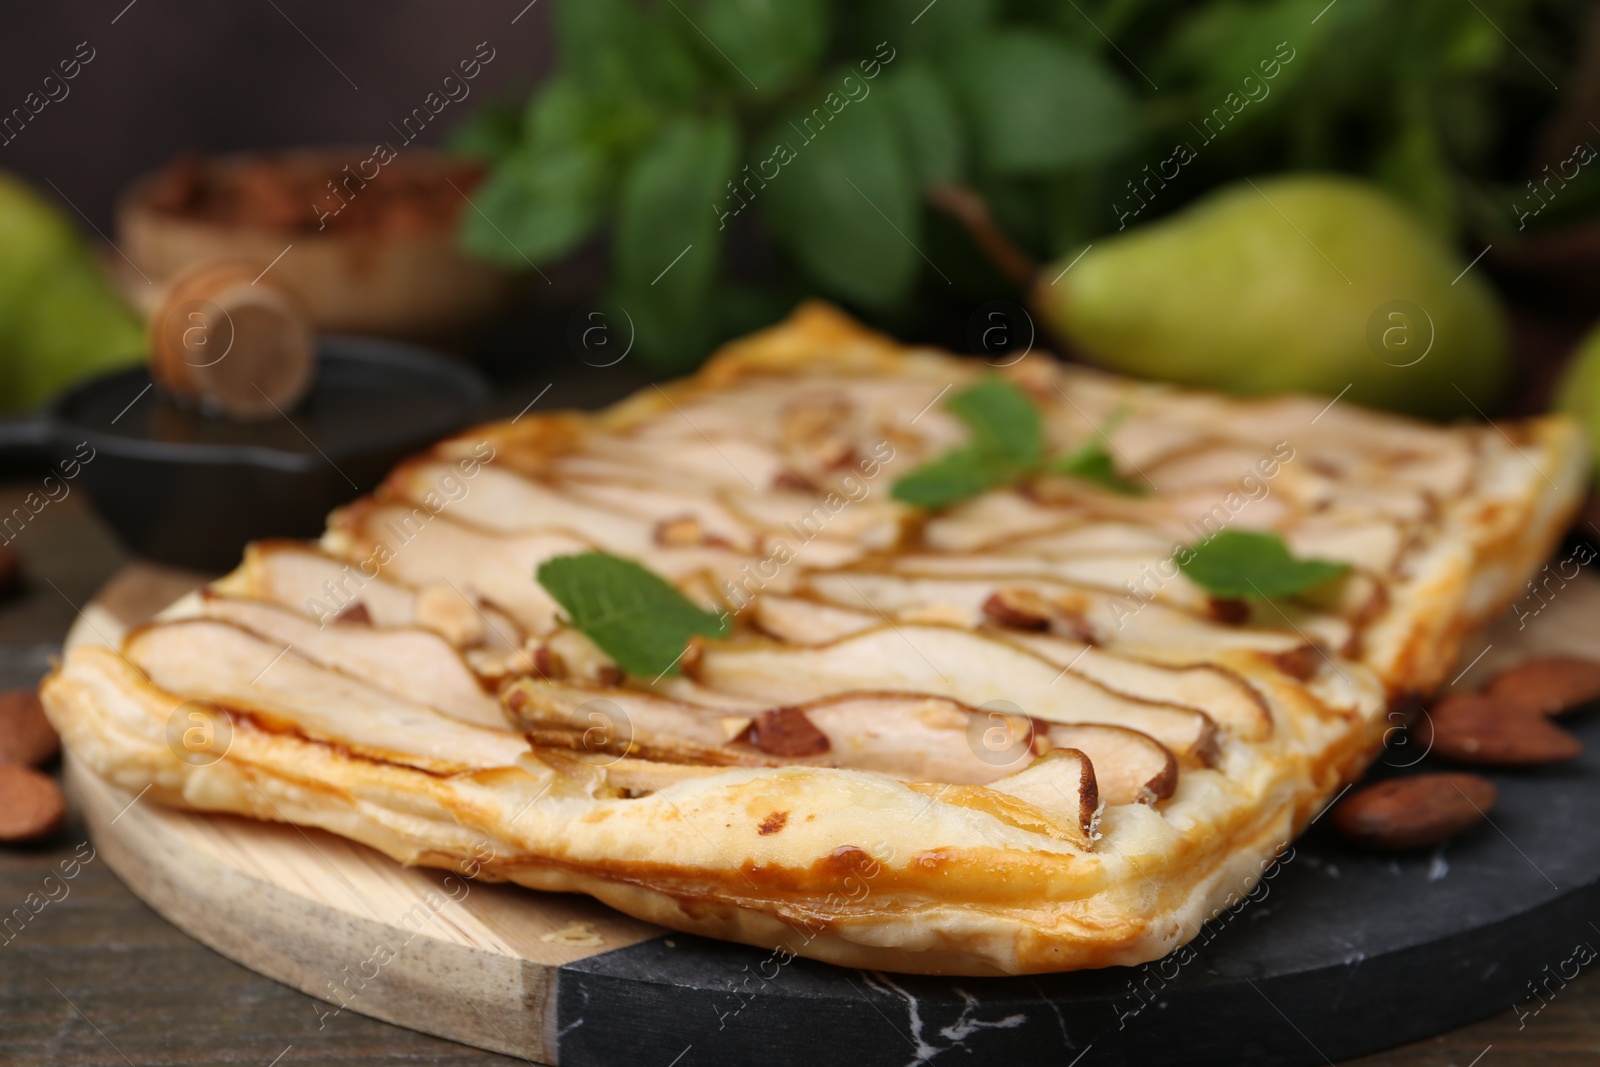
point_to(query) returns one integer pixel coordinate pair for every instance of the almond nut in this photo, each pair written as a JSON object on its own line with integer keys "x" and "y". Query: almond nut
{"x": 1547, "y": 685}
{"x": 1301, "y": 663}
{"x": 1473, "y": 728}
{"x": 354, "y": 614}
{"x": 1019, "y": 609}
{"x": 26, "y": 736}
{"x": 680, "y": 532}
{"x": 31, "y": 804}
{"x": 1410, "y": 812}
{"x": 1231, "y": 611}
{"x": 786, "y": 732}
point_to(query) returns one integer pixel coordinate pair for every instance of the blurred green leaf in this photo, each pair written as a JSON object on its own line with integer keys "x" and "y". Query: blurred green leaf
{"x": 1003, "y": 421}
{"x": 537, "y": 205}
{"x": 914, "y": 27}
{"x": 951, "y": 478}
{"x": 1473, "y": 47}
{"x": 621, "y": 49}
{"x": 765, "y": 45}
{"x": 489, "y": 134}
{"x": 564, "y": 115}
{"x": 1414, "y": 167}
{"x": 1040, "y": 107}
{"x": 1037, "y": 106}
{"x": 1255, "y": 564}
{"x": 669, "y": 240}
{"x": 1092, "y": 462}
{"x": 1214, "y": 47}
{"x": 558, "y": 115}
{"x": 927, "y": 120}
{"x": 1007, "y": 440}
{"x": 846, "y": 202}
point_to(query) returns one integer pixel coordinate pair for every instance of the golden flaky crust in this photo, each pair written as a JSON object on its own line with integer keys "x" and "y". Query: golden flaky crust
{"x": 827, "y": 781}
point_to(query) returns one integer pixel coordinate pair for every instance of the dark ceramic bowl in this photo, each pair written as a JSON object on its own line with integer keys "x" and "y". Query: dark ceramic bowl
{"x": 185, "y": 488}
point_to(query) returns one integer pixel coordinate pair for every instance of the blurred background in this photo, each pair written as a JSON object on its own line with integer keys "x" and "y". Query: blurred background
{"x": 585, "y": 196}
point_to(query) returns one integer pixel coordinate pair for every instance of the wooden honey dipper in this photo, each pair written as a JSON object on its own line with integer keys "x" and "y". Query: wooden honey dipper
{"x": 226, "y": 339}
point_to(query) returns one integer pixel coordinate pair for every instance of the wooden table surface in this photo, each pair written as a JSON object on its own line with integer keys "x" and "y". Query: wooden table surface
{"x": 95, "y": 977}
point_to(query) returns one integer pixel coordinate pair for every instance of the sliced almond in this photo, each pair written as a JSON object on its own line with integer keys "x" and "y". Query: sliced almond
{"x": 1473, "y": 728}
{"x": 1230, "y": 611}
{"x": 1411, "y": 812}
{"x": 1020, "y": 609}
{"x": 1547, "y": 685}
{"x": 817, "y": 429}
{"x": 787, "y": 732}
{"x": 1301, "y": 663}
{"x": 679, "y": 532}
{"x": 355, "y": 614}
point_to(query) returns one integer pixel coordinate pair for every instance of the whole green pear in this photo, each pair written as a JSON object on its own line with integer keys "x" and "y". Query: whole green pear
{"x": 1579, "y": 392}
{"x": 1303, "y": 283}
{"x": 59, "y": 321}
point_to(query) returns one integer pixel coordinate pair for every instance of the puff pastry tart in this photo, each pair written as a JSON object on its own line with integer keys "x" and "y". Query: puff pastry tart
{"x": 1005, "y": 736}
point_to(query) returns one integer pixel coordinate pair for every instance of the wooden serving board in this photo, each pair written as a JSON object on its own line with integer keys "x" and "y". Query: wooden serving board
{"x": 1337, "y": 953}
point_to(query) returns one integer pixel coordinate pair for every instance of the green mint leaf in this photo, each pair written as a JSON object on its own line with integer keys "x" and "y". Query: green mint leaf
{"x": 953, "y": 477}
{"x": 633, "y": 615}
{"x": 1007, "y": 441}
{"x": 839, "y": 193}
{"x": 1040, "y": 105}
{"x": 537, "y": 206}
{"x": 667, "y": 249}
{"x": 928, "y": 123}
{"x": 1003, "y": 420}
{"x": 771, "y": 44}
{"x": 490, "y": 134}
{"x": 1092, "y": 463}
{"x": 1239, "y": 563}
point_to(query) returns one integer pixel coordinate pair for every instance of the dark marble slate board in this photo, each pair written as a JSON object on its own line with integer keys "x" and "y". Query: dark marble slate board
{"x": 1345, "y": 952}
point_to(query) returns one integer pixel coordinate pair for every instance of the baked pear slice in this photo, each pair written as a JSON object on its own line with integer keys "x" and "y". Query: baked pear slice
{"x": 975, "y": 669}
{"x": 905, "y": 735}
